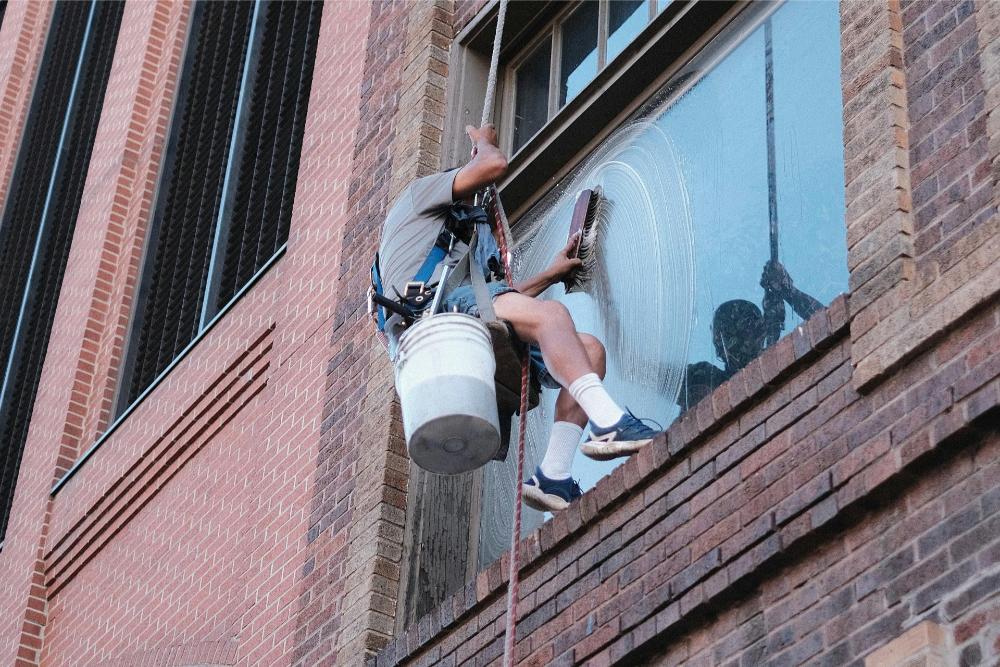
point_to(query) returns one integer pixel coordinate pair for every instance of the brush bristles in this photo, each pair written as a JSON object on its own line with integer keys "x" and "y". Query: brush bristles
{"x": 587, "y": 250}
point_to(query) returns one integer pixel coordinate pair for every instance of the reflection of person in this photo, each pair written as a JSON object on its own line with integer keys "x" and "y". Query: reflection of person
{"x": 573, "y": 361}
{"x": 741, "y": 331}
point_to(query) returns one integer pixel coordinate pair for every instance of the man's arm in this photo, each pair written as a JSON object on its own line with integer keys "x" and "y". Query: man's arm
{"x": 776, "y": 278}
{"x": 488, "y": 163}
{"x": 561, "y": 265}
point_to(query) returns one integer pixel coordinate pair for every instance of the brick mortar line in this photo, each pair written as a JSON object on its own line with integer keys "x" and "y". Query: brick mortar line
{"x": 103, "y": 535}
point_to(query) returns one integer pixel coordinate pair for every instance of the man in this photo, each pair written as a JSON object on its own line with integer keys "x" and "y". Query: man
{"x": 573, "y": 361}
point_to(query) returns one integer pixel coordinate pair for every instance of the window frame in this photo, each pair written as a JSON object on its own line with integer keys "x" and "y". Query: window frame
{"x": 210, "y": 311}
{"x": 122, "y": 408}
{"x": 554, "y": 29}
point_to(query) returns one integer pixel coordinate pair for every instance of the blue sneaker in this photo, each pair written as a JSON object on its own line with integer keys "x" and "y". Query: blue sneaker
{"x": 549, "y": 495}
{"x": 625, "y": 438}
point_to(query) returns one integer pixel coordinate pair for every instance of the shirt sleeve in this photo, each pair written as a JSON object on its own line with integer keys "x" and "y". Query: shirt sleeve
{"x": 431, "y": 194}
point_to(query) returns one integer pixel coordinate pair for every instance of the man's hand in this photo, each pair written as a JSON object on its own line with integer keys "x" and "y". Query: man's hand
{"x": 775, "y": 278}
{"x": 487, "y": 135}
{"x": 488, "y": 163}
{"x": 563, "y": 264}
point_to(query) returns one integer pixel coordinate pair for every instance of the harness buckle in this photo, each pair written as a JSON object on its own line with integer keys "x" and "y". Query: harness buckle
{"x": 413, "y": 289}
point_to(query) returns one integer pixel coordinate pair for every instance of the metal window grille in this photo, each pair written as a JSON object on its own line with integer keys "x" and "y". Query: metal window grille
{"x": 41, "y": 212}
{"x": 262, "y": 205}
{"x": 229, "y": 174}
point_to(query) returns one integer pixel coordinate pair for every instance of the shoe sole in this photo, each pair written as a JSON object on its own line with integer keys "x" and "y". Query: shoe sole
{"x": 599, "y": 450}
{"x": 537, "y": 499}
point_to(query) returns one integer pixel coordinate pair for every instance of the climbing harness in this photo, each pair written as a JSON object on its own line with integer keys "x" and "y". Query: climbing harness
{"x": 419, "y": 292}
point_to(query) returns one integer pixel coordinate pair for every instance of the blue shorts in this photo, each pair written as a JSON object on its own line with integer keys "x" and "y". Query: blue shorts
{"x": 463, "y": 300}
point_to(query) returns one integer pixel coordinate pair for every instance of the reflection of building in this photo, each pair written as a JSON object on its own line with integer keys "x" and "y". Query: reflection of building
{"x": 203, "y": 461}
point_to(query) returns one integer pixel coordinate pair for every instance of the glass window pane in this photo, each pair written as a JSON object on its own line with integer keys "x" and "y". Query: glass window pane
{"x": 686, "y": 237}
{"x": 625, "y": 19}
{"x": 531, "y": 95}
{"x": 578, "y": 56}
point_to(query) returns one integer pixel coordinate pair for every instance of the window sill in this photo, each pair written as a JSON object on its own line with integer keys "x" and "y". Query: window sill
{"x": 166, "y": 371}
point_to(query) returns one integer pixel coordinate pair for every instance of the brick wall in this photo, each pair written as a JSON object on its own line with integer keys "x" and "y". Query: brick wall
{"x": 835, "y": 495}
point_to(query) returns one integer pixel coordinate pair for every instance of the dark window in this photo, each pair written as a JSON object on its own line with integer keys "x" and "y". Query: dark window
{"x": 578, "y": 64}
{"x": 229, "y": 175}
{"x": 531, "y": 105}
{"x": 42, "y": 207}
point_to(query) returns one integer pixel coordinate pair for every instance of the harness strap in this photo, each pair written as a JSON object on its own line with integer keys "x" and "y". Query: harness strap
{"x": 479, "y": 289}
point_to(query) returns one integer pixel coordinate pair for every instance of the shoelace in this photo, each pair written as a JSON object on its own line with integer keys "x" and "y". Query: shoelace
{"x": 643, "y": 420}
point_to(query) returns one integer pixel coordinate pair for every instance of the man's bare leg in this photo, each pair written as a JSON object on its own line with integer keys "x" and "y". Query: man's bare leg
{"x": 549, "y": 325}
{"x": 570, "y": 420}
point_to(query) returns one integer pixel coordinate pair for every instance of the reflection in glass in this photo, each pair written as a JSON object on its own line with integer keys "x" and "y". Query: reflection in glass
{"x": 531, "y": 95}
{"x": 579, "y": 51}
{"x": 692, "y": 276}
{"x": 625, "y": 19}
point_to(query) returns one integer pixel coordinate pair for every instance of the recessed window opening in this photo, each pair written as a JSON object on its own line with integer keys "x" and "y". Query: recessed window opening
{"x": 42, "y": 209}
{"x": 724, "y": 227}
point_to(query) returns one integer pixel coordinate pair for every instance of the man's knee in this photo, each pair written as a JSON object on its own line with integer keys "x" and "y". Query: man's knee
{"x": 553, "y": 313}
{"x": 596, "y": 351}
{"x": 529, "y": 310}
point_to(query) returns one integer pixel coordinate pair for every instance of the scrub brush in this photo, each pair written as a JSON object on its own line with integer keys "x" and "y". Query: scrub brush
{"x": 588, "y": 212}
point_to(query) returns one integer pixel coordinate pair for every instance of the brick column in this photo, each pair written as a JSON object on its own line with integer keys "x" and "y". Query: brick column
{"x": 924, "y": 253}
{"x": 877, "y": 177}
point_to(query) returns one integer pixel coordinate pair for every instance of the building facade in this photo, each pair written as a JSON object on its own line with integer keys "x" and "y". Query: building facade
{"x": 204, "y": 460}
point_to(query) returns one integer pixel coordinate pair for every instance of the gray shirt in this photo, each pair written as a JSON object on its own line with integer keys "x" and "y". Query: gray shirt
{"x": 411, "y": 227}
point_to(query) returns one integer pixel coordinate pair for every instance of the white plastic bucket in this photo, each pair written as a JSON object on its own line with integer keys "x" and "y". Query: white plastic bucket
{"x": 444, "y": 376}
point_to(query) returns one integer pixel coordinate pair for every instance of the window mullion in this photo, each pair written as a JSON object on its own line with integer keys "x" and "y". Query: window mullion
{"x": 603, "y": 18}
{"x": 218, "y": 245}
{"x": 556, "y": 70}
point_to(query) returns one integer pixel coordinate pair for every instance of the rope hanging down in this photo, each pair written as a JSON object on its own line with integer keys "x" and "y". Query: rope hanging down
{"x": 500, "y": 219}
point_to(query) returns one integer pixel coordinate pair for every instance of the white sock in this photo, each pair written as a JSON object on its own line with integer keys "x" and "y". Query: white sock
{"x": 595, "y": 400}
{"x": 563, "y": 441}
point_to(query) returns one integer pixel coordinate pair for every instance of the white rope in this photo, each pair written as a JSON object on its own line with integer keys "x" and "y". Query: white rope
{"x": 513, "y": 575}
{"x": 491, "y": 80}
